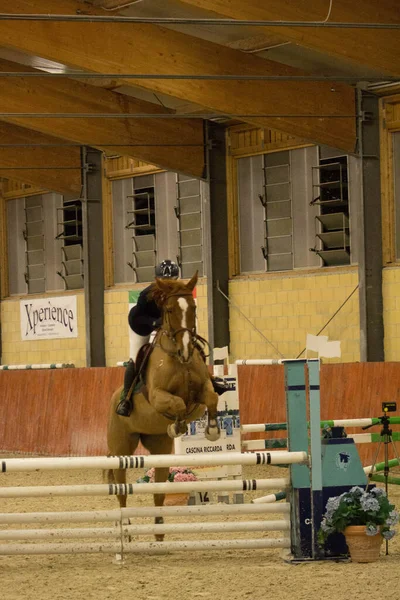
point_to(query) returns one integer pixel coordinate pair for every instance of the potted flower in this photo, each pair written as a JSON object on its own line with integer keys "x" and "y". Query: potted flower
{"x": 364, "y": 517}
{"x": 178, "y": 474}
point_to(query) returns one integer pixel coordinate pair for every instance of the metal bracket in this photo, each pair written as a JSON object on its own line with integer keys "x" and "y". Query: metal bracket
{"x": 177, "y": 212}
{"x": 262, "y": 200}
{"x": 264, "y": 251}
{"x": 366, "y": 116}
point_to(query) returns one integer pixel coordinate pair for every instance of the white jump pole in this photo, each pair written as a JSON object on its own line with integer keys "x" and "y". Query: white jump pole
{"x": 145, "y": 511}
{"x": 123, "y": 489}
{"x": 36, "y": 366}
{"x": 156, "y": 460}
{"x": 129, "y": 530}
{"x": 142, "y": 547}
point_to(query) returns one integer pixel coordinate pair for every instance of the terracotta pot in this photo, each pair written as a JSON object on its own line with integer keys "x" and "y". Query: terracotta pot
{"x": 176, "y": 499}
{"x": 363, "y": 548}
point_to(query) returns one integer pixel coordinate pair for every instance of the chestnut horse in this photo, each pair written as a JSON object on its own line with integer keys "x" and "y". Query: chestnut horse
{"x": 179, "y": 387}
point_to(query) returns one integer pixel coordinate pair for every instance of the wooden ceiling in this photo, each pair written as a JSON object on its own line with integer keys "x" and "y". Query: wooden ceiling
{"x": 317, "y": 111}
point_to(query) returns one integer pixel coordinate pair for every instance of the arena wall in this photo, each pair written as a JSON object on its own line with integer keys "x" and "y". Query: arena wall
{"x": 285, "y": 307}
{"x": 64, "y": 412}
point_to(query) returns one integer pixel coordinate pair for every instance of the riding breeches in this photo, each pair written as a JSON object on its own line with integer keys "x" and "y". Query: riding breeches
{"x": 136, "y": 342}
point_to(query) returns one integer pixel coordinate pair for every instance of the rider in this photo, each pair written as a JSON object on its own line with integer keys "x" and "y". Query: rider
{"x": 143, "y": 319}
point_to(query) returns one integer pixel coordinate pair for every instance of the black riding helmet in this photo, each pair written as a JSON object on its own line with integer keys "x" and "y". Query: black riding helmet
{"x": 167, "y": 269}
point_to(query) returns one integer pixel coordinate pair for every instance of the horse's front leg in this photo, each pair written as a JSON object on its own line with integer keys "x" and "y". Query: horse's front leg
{"x": 171, "y": 406}
{"x": 210, "y": 399}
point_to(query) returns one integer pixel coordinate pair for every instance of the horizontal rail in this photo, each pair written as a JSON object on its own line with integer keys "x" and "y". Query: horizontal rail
{"x": 363, "y": 422}
{"x": 155, "y": 460}
{"x": 36, "y": 366}
{"x": 128, "y": 489}
{"x": 127, "y": 530}
{"x": 380, "y": 466}
{"x": 141, "y": 512}
{"x": 142, "y": 547}
{"x": 54, "y": 18}
{"x": 270, "y": 498}
{"x": 359, "y": 438}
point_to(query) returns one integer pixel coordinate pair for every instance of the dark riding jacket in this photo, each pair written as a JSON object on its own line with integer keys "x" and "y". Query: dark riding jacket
{"x": 145, "y": 316}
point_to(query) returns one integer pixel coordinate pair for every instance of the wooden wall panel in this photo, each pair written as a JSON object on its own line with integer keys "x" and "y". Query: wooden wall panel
{"x": 56, "y": 412}
{"x": 65, "y": 412}
{"x": 348, "y": 390}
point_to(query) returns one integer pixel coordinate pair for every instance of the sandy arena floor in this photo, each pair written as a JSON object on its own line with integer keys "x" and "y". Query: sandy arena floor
{"x": 222, "y": 575}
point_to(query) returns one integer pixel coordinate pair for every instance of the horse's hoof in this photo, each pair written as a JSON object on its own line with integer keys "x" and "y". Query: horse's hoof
{"x": 172, "y": 432}
{"x": 212, "y": 431}
{"x": 119, "y": 560}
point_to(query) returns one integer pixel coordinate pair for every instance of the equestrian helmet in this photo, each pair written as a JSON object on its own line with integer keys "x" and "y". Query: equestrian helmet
{"x": 167, "y": 269}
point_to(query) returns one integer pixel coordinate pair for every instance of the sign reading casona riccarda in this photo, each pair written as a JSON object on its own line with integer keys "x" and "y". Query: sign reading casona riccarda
{"x": 49, "y": 318}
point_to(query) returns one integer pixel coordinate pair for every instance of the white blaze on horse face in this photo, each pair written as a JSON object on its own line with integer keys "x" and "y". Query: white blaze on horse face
{"x": 185, "y": 339}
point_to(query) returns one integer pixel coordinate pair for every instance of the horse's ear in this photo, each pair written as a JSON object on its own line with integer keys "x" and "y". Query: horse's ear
{"x": 192, "y": 283}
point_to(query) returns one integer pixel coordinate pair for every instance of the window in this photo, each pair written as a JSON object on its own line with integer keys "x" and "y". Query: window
{"x": 277, "y": 203}
{"x": 34, "y": 252}
{"x": 71, "y": 233}
{"x": 296, "y": 209}
{"x": 330, "y": 182}
{"x": 189, "y": 214}
{"x": 156, "y": 217}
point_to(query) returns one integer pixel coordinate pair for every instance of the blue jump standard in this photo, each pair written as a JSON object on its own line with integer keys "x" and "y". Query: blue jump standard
{"x": 335, "y": 465}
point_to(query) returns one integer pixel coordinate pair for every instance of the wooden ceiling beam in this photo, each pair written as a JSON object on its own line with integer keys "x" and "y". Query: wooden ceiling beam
{"x": 140, "y": 49}
{"x": 376, "y": 49}
{"x": 15, "y": 161}
{"x": 22, "y": 94}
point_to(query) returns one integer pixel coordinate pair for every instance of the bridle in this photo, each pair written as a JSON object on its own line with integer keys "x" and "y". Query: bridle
{"x": 171, "y": 334}
{"x": 195, "y": 341}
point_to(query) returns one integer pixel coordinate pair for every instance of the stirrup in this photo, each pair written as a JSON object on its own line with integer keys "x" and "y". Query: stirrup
{"x": 124, "y": 408}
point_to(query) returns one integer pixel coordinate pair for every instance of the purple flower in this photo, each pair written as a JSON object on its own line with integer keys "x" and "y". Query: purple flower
{"x": 388, "y": 534}
{"x": 369, "y": 504}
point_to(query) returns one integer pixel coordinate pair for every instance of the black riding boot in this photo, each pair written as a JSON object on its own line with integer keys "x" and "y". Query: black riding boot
{"x": 125, "y": 406}
{"x": 219, "y": 387}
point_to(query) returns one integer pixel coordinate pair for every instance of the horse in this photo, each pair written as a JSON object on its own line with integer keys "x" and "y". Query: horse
{"x": 178, "y": 387}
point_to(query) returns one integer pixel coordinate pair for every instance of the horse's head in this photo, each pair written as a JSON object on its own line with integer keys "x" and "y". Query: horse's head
{"x": 175, "y": 298}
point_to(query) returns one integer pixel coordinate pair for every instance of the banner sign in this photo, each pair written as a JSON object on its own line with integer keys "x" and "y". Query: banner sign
{"x": 195, "y": 441}
{"x": 49, "y": 318}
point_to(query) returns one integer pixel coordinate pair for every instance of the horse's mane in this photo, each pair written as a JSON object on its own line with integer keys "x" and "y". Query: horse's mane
{"x": 159, "y": 293}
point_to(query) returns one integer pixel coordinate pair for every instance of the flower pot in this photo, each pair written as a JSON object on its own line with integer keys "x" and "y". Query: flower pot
{"x": 176, "y": 499}
{"x": 363, "y": 548}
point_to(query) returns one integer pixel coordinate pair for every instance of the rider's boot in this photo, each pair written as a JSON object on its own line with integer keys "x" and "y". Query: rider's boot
{"x": 219, "y": 387}
{"x": 125, "y": 405}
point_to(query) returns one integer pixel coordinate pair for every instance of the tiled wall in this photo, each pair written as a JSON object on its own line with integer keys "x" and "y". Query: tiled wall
{"x": 23, "y": 352}
{"x": 284, "y": 308}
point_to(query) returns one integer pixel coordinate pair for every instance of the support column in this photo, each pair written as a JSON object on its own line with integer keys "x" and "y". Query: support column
{"x": 93, "y": 258}
{"x": 216, "y": 227}
{"x": 370, "y": 236}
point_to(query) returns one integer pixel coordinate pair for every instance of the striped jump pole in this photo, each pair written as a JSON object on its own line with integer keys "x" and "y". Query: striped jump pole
{"x": 129, "y": 489}
{"x": 155, "y": 460}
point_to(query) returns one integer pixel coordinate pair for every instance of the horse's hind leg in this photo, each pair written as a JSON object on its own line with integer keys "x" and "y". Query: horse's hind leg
{"x": 124, "y": 447}
{"x": 158, "y": 444}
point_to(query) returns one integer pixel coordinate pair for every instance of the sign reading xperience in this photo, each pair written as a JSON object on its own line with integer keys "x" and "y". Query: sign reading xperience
{"x": 49, "y": 318}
